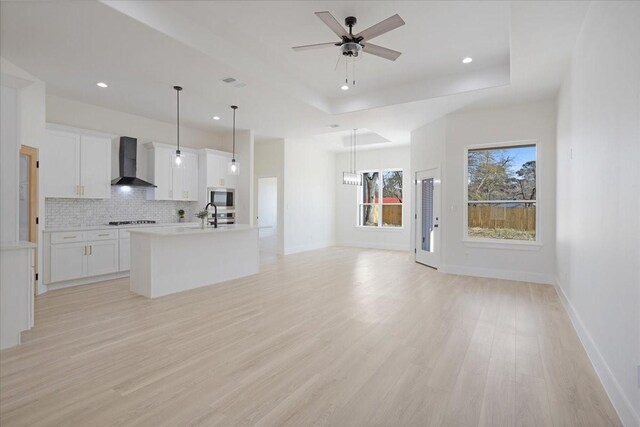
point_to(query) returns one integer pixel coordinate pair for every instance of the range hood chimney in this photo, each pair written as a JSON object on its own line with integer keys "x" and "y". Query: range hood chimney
{"x": 129, "y": 164}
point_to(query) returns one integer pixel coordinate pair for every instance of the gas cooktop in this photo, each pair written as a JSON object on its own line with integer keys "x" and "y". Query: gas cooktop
{"x": 140, "y": 221}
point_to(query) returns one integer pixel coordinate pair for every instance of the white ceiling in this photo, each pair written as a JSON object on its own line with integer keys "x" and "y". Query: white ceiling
{"x": 142, "y": 49}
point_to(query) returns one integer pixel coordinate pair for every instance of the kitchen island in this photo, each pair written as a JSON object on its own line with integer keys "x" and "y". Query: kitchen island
{"x": 169, "y": 260}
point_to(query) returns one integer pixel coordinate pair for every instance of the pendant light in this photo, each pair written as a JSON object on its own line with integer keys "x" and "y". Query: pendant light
{"x": 234, "y": 167}
{"x": 352, "y": 177}
{"x": 178, "y": 158}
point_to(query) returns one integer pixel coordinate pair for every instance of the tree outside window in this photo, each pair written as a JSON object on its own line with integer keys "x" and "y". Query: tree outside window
{"x": 501, "y": 193}
{"x": 385, "y": 211}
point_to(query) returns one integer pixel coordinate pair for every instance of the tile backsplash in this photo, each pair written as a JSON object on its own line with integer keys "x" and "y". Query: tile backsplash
{"x": 122, "y": 206}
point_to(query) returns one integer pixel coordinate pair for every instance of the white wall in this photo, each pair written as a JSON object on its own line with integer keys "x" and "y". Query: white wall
{"x": 309, "y": 196}
{"x": 9, "y": 147}
{"x": 443, "y": 143}
{"x": 598, "y": 204}
{"x": 269, "y": 162}
{"x": 267, "y": 205}
{"x": 86, "y": 116}
{"x": 347, "y": 231}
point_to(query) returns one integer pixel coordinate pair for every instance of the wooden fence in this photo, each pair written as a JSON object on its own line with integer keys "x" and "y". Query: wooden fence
{"x": 392, "y": 215}
{"x": 518, "y": 218}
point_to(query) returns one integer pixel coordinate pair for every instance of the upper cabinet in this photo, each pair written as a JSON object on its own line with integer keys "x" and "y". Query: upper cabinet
{"x": 172, "y": 182}
{"x": 217, "y": 170}
{"x": 76, "y": 165}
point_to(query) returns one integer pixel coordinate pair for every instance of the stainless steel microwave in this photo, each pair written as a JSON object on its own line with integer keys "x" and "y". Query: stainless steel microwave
{"x": 222, "y": 197}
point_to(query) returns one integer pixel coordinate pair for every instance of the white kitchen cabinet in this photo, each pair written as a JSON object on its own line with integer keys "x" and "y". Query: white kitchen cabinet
{"x": 125, "y": 252}
{"x": 95, "y": 167}
{"x": 173, "y": 183}
{"x": 102, "y": 257}
{"x": 76, "y": 165}
{"x": 68, "y": 261}
{"x": 73, "y": 255}
{"x": 60, "y": 157}
{"x": 217, "y": 167}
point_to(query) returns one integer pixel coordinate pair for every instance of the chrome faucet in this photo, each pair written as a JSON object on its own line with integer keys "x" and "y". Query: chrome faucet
{"x": 215, "y": 214}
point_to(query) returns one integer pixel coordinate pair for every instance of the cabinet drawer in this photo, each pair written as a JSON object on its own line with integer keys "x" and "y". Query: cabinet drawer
{"x": 102, "y": 234}
{"x": 68, "y": 237}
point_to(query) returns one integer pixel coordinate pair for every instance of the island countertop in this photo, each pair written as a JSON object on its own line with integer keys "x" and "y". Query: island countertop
{"x": 193, "y": 229}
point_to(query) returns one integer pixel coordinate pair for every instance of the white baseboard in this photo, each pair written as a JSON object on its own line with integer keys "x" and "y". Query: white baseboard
{"x": 619, "y": 399}
{"x": 521, "y": 276}
{"x": 86, "y": 280}
{"x": 368, "y": 245}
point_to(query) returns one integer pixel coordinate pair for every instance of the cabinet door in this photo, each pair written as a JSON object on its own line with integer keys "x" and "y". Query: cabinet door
{"x": 60, "y": 157}
{"x": 191, "y": 177}
{"x": 102, "y": 257}
{"x": 95, "y": 167}
{"x": 162, "y": 173}
{"x": 68, "y": 261}
{"x": 177, "y": 180}
{"x": 124, "y": 253}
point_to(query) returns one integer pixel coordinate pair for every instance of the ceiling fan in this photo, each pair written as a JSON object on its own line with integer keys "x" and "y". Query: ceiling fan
{"x": 351, "y": 45}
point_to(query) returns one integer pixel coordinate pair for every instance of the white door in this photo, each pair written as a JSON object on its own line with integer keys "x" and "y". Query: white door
{"x": 68, "y": 261}
{"x": 95, "y": 167}
{"x": 268, "y": 205}
{"x": 102, "y": 257}
{"x": 60, "y": 157}
{"x": 427, "y": 217}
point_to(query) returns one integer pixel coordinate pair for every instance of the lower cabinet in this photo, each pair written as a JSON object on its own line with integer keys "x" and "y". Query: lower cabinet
{"x": 125, "y": 262}
{"x": 69, "y": 261}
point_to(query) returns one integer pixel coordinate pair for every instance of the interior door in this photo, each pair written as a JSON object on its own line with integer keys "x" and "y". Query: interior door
{"x": 427, "y": 217}
{"x": 95, "y": 167}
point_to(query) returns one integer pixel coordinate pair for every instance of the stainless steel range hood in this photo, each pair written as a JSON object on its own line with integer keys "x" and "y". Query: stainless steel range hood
{"x": 129, "y": 164}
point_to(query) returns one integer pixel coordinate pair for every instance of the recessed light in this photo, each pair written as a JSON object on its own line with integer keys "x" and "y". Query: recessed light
{"x": 344, "y": 87}
{"x": 467, "y": 60}
{"x": 101, "y": 84}
{"x": 216, "y": 118}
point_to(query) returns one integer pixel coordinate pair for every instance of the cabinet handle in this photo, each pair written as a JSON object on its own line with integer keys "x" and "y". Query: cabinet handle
{"x": 103, "y": 234}
{"x": 85, "y": 250}
{"x": 83, "y": 190}
{"x": 90, "y": 249}
{"x": 69, "y": 237}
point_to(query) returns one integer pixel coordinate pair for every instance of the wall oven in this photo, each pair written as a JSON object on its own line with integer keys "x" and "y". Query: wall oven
{"x": 224, "y": 218}
{"x": 222, "y": 197}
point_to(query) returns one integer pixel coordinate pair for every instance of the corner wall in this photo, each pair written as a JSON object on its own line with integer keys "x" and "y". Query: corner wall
{"x": 443, "y": 142}
{"x": 598, "y": 205}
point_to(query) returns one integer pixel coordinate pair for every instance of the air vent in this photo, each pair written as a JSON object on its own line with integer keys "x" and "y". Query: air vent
{"x": 229, "y": 80}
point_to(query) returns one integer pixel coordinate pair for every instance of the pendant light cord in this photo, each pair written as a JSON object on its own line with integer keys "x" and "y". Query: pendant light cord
{"x": 178, "y": 89}
{"x": 234, "y": 131}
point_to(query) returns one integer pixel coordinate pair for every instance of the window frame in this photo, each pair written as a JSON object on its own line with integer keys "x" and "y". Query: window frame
{"x": 501, "y": 243}
{"x": 380, "y": 204}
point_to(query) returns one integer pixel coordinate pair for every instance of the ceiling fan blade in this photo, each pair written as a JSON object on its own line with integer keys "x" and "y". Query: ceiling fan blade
{"x": 380, "y": 51}
{"x": 391, "y": 23}
{"x": 332, "y": 23}
{"x": 312, "y": 46}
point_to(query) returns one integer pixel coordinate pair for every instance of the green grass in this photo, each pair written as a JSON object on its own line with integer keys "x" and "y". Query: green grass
{"x": 501, "y": 233}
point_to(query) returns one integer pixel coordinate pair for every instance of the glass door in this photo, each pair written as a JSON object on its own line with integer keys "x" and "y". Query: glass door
{"x": 427, "y": 217}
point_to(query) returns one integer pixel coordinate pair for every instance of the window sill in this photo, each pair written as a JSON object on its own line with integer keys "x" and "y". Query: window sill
{"x": 521, "y": 245}
{"x": 366, "y": 227}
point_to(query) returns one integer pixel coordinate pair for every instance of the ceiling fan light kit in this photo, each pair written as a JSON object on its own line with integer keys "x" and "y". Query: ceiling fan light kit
{"x": 352, "y": 45}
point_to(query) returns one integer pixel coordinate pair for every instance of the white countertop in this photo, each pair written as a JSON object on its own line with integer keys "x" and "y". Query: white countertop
{"x": 191, "y": 229}
{"x": 17, "y": 245}
{"x": 118, "y": 227}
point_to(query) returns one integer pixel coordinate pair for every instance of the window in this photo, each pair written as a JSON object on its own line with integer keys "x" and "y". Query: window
{"x": 376, "y": 211}
{"x": 501, "y": 192}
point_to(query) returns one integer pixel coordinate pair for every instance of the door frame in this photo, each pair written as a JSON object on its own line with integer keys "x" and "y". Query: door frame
{"x": 32, "y": 154}
{"x": 436, "y": 172}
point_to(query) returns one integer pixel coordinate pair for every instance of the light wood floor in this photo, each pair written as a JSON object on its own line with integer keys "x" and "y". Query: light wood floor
{"x": 333, "y": 337}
